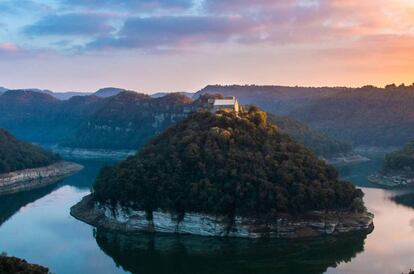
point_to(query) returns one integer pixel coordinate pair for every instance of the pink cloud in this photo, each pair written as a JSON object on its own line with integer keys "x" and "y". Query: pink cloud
{"x": 9, "y": 47}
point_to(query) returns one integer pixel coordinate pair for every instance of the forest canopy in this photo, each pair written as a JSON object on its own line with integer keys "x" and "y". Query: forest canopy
{"x": 17, "y": 155}
{"x": 225, "y": 164}
{"x": 402, "y": 159}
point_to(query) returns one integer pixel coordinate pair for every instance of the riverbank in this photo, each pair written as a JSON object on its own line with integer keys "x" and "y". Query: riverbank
{"x": 391, "y": 180}
{"x": 346, "y": 159}
{"x": 283, "y": 226}
{"x": 27, "y": 179}
{"x": 90, "y": 154}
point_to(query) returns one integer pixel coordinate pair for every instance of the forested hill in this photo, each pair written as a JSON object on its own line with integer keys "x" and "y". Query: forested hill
{"x": 401, "y": 160}
{"x": 17, "y": 155}
{"x": 368, "y": 116}
{"x": 225, "y": 164}
{"x": 318, "y": 142}
{"x": 126, "y": 120}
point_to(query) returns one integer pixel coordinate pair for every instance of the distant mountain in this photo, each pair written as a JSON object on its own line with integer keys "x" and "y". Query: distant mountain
{"x": 58, "y": 95}
{"x": 275, "y": 99}
{"x": 128, "y": 120}
{"x": 69, "y": 94}
{"x": 124, "y": 121}
{"x": 320, "y": 143}
{"x": 108, "y": 92}
{"x": 162, "y": 94}
{"x": 40, "y": 117}
{"x": 368, "y": 116}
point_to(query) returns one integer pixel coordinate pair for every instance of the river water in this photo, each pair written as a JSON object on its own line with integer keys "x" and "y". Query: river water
{"x": 37, "y": 226}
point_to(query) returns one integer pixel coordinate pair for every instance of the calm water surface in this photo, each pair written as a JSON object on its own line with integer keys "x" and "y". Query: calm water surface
{"x": 37, "y": 226}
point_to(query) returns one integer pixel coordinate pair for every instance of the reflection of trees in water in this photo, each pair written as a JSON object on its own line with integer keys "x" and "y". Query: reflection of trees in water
{"x": 406, "y": 199}
{"x": 145, "y": 253}
{"x": 10, "y": 204}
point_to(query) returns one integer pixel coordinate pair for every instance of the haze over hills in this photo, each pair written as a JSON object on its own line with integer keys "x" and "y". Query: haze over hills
{"x": 161, "y": 94}
{"x": 124, "y": 121}
{"x": 368, "y": 116}
{"x": 103, "y": 92}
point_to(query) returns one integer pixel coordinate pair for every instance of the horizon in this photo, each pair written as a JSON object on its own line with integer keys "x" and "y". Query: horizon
{"x": 182, "y": 45}
{"x": 205, "y": 86}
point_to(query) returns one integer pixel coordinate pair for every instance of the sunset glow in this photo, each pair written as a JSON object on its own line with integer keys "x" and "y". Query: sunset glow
{"x": 84, "y": 45}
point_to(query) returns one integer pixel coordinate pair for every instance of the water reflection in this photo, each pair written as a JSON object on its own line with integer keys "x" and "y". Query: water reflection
{"x": 406, "y": 199}
{"x": 11, "y": 204}
{"x": 146, "y": 253}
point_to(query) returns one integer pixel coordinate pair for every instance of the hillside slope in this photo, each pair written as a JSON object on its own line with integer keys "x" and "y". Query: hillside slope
{"x": 227, "y": 165}
{"x": 124, "y": 121}
{"x": 18, "y": 155}
{"x": 366, "y": 116}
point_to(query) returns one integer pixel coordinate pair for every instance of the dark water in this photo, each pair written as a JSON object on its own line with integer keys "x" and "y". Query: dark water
{"x": 37, "y": 226}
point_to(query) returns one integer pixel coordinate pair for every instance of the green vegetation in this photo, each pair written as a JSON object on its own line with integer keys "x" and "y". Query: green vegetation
{"x": 17, "y": 155}
{"x": 317, "y": 141}
{"x": 127, "y": 120}
{"x": 229, "y": 165}
{"x": 402, "y": 160}
{"x": 13, "y": 265}
{"x": 367, "y": 116}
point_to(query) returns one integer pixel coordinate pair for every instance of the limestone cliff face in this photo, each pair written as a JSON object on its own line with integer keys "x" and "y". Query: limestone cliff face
{"x": 283, "y": 226}
{"x": 28, "y": 179}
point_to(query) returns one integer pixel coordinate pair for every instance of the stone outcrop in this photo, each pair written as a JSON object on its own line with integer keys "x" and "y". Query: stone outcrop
{"x": 283, "y": 226}
{"x": 27, "y": 179}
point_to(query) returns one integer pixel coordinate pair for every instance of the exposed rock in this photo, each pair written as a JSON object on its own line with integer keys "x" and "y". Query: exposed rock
{"x": 283, "y": 226}
{"x": 80, "y": 153}
{"x": 27, "y": 179}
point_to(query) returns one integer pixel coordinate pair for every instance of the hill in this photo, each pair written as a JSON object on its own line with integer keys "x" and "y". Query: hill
{"x": 108, "y": 92}
{"x": 18, "y": 155}
{"x": 227, "y": 165}
{"x": 128, "y": 120}
{"x": 162, "y": 94}
{"x": 401, "y": 160}
{"x": 368, "y": 116}
{"x": 320, "y": 143}
{"x": 124, "y": 121}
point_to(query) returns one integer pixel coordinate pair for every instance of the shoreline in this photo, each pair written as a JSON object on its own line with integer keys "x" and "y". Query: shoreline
{"x": 28, "y": 179}
{"x": 91, "y": 154}
{"x": 313, "y": 224}
{"x": 391, "y": 181}
{"x": 346, "y": 159}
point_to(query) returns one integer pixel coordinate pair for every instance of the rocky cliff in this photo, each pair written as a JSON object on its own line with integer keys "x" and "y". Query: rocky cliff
{"x": 312, "y": 224}
{"x": 28, "y": 179}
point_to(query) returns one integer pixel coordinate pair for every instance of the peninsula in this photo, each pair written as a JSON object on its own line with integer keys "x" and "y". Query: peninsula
{"x": 225, "y": 173}
{"x": 24, "y": 166}
{"x": 398, "y": 169}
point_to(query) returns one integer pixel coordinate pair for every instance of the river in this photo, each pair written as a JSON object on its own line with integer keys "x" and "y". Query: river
{"x": 37, "y": 226}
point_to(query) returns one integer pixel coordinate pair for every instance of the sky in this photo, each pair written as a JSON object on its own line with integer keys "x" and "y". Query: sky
{"x": 184, "y": 45}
